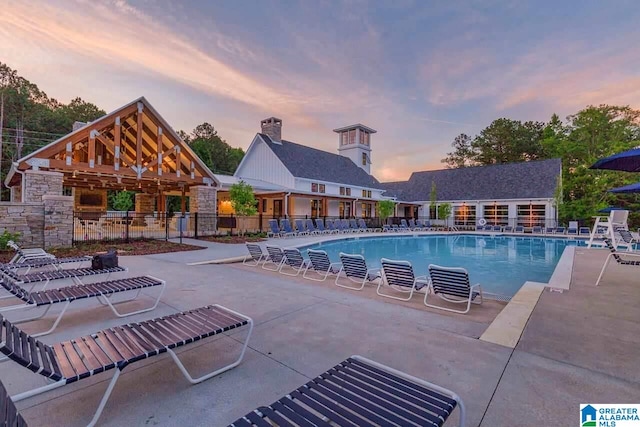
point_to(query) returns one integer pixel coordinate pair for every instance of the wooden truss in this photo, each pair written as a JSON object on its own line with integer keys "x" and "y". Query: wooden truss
{"x": 132, "y": 147}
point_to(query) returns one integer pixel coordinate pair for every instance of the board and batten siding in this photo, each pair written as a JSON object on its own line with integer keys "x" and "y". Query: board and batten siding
{"x": 262, "y": 163}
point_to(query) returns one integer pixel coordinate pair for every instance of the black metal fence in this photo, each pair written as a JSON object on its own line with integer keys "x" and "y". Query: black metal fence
{"x": 95, "y": 226}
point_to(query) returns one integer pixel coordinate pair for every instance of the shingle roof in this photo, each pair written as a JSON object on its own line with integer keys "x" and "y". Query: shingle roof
{"x": 525, "y": 180}
{"x": 311, "y": 163}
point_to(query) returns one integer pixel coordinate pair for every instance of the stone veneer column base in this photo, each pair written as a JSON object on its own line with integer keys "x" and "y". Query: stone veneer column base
{"x": 58, "y": 220}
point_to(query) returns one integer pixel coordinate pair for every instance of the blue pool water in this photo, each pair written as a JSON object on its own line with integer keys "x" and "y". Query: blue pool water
{"x": 501, "y": 264}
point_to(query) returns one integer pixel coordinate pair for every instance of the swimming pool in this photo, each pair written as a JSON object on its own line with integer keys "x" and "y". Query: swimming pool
{"x": 501, "y": 264}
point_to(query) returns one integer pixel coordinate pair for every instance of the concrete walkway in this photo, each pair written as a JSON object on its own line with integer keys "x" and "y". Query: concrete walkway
{"x": 579, "y": 346}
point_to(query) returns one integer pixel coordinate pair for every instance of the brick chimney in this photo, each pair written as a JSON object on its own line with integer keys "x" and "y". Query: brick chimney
{"x": 273, "y": 128}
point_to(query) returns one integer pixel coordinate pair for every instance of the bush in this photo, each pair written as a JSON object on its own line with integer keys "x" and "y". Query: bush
{"x": 6, "y": 236}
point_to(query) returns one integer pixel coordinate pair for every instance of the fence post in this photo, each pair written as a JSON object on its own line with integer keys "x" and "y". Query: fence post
{"x": 126, "y": 222}
{"x": 195, "y": 227}
{"x": 260, "y": 222}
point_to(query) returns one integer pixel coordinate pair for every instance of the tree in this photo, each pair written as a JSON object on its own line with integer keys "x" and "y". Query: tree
{"x": 219, "y": 156}
{"x": 462, "y": 154}
{"x": 444, "y": 211}
{"x": 121, "y": 200}
{"x": 243, "y": 202}
{"x": 433, "y": 197}
{"x": 386, "y": 209}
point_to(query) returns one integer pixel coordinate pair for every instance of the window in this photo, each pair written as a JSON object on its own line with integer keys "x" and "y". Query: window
{"x": 321, "y": 188}
{"x": 366, "y": 193}
{"x": 342, "y": 191}
{"x": 344, "y": 209}
{"x": 364, "y": 137}
{"x": 464, "y": 215}
{"x": 314, "y": 187}
{"x": 433, "y": 212}
{"x": 496, "y": 214}
{"x": 352, "y": 136}
{"x": 344, "y": 138}
{"x": 367, "y": 208}
{"x": 347, "y": 191}
{"x": 364, "y": 159}
{"x": 530, "y": 215}
{"x": 316, "y": 208}
{"x": 264, "y": 205}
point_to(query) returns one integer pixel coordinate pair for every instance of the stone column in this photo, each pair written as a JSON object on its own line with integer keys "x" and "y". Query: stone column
{"x": 39, "y": 183}
{"x": 58, "y": 220}
{"x": 145, "y": 205}
{"x": 202, "y": 199}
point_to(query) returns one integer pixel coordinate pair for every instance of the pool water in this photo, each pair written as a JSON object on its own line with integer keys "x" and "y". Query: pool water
{"x": 501, "y": 264}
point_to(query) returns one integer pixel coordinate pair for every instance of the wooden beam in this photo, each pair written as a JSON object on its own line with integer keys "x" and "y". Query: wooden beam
{"x": 92, "y": 148}
{"x": 116, "y": 144}
{"x": 183, "y": 204}
{"x": 69, "y": 157}
{"x": 178, "y": 160}
{"x": 139, "y": 131}
{"x": 81, "y": 135}
{"x": 159, "y": 148}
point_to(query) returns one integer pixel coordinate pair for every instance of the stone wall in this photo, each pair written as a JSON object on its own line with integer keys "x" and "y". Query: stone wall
{"x": 145, "y": 204}
{"x": 202, "y": 199}
{"x": 58, "y": 220}
{"x": 39, "y": 183}
{"x": 26, "y": 219}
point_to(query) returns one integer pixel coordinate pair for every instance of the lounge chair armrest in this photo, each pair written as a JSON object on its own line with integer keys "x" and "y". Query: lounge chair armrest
{"x": 477, "y": 285}
{"x": 335, "y": 264}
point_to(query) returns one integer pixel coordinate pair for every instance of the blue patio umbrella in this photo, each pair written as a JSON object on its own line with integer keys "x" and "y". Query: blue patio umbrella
{"x": 631, "y": 188}
{"x": 628, "y": 161}
{"x": 608, "y": 209}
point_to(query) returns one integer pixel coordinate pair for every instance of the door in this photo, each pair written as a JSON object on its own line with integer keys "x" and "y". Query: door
{"x": 277, "y": 208}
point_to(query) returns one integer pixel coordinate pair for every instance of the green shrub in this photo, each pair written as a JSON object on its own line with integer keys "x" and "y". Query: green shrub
{"x": 6, "y": 236}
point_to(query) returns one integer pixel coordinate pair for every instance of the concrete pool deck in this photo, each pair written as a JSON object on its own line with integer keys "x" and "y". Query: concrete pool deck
{"x": 579, "y": 346}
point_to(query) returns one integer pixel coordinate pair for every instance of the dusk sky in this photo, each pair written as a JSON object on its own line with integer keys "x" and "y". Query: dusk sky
{"x": 419, "y": 72}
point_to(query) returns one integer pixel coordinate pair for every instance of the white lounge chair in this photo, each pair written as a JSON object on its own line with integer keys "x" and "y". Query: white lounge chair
{"x": 399, "y": 276}
{"x": 275, "y": 256}
{"x": 355, "y": 269}
{"x": 452, "y": 285}
{"x": 619, "y": 257}
{"x": 294, "y": 260}
{"x": 320, "y": 265}
{"x": 256, "y": 256}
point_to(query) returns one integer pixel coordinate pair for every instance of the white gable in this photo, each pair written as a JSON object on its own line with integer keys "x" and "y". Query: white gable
{"x": 261, "y": 163}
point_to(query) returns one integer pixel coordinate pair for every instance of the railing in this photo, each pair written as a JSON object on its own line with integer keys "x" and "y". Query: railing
{"x": 92, "y": 226}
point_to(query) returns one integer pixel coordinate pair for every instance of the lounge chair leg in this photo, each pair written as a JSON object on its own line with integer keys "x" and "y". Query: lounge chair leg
{"x": 144, "y": 310}
{"x": 105, "y": 397}
{"x": 413, "y": 288}
{"x": 192, "y": 380}
{"x": 55, "y": 324}
{"x": 37, "y": 391}
{"x": 604, "y": 267}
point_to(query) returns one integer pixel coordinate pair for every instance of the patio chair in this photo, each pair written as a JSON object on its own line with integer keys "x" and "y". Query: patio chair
{"x": 536, "y": 229}
{"x": 256, "y": 256}
{"x": 354, "y": 227}
{"x": 425, "y": 226}
{"x": 559, "y": 230}
{"x": 573, "y": 228}
{"x": 386, "y": 228}
{"x": 344, "y": 224}
{"x": 320, "y": 265}
{"x": 396, "y": 228}
{"x": 102, "y": 291}
{"x": 360, "y": 392}
{"x": 413, "y": 226}
{"x": 51, "y": 263}
{"x": 508, "y": 229}
{"x": 285, "y": 225}
{"x": 331, "y": 226}
{"x": 320, "y": 227}
{"x": 400, "y": 277}
{"x": 363, "y": 226}
{"x": 311, "y": 228}
{"x": 403, "y": 225}
{"x": 275, "y": 256}
{"x": 619, "y": 257}
{"x": 116, "y": 348}
{"x": 518, "y": 229}
{"x": 9, "y": 415}
{"x": 30, "y": 253}
{"x": 300, "y": 228}
{"x": 294, "y": 260}
{"x": 274, "y": 230}
{"x": 497, "y": 228}
{"x": 452, "y": 285}
{"x": 75, "y": 274}
{"x": 627, "y": 239}
{"x": 584, "y": 231}
{"x": 355, "y": 269}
